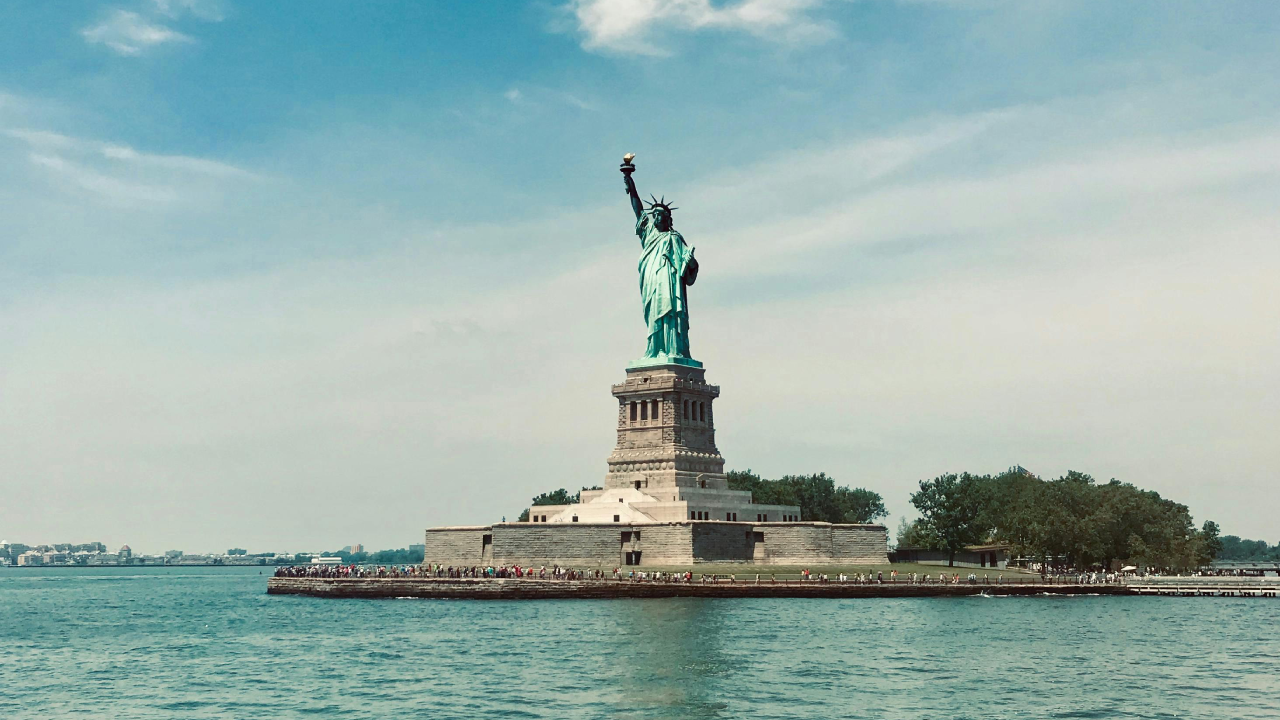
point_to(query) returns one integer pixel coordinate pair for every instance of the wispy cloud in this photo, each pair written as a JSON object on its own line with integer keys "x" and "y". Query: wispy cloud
{"x": 118, "y": 173}
{"x": 47, "y": 140}
{"x": 109, "y": 187}
{"x": 129, "y": 33}
{"x": 183, "y": 163}
{"x": 1129, "y": 275}
{"x": 630, "y": 26}
{"x": 210, "y": 10}
{"x": 578, "y": 102}
{"x": 535, "y": 96}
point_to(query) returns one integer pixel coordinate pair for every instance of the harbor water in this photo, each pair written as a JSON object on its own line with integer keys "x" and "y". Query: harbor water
{"x": 208, "y": 642}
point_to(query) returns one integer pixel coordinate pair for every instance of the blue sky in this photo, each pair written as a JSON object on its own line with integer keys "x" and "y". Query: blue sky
{"x": 259, "y": 257}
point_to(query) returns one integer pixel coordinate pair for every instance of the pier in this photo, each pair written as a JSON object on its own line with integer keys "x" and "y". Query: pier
{"x": 1207, "y": 587}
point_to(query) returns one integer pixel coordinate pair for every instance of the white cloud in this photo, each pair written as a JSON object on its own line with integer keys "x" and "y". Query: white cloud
{"x": 1105, "y": 305}
{"x": 128, "y": 33}
{"x": 119, "y": 173}
{"x": 1050, "y": 194}
{"x": 535, "y": 96}
{"x": 210, "y": 10}
{"x": 578, "y": 102}
{"x": 46, "y": 139}
{"x": 184, "y": 163}
{"x": 629, "y": 26}
{"x": 111, "y": 188}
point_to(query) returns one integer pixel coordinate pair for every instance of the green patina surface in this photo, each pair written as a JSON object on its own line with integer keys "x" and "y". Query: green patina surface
{"x": 667, "y": 268}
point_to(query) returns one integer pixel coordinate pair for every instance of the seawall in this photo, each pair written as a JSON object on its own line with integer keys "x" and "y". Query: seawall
{"x": 527, "y": 589}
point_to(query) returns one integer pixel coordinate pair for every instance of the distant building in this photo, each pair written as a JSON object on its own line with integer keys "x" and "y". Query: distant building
{"x": 125, "y": 552}
{"x": 195, "y": 560}
{"x": 173, "y": 554}
{"x": 30, "y": 558}
{"x": 357, "y": 548}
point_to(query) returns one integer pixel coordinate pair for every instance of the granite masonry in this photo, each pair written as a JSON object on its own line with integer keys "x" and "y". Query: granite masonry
{"x": 665, "y": 501}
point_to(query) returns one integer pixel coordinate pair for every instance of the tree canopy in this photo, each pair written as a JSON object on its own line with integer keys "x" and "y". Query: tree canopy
{"x": 1239, "y": 549}
{"x": 952, "y": 512}
{"x": 555, "y": 497}
{"x": 817, "y": 496}
{"x": 1071, "y": 519}
{"x": 401, "y": 556}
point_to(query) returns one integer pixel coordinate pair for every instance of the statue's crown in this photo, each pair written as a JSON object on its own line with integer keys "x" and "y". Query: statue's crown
{"x": 660, "y": 204}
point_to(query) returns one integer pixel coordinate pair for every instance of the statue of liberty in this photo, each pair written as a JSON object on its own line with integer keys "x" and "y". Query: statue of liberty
{"x": 667, "y": 269}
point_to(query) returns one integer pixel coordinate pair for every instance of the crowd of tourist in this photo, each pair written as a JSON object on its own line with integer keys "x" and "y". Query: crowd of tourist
{"x": 351, "y": 571}
{"x": 435, "y": 570}
{"x": 514, "y": 571}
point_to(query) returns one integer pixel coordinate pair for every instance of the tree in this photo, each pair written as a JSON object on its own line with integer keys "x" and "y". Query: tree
{"x": 952, "y": 512}
{"x": 859, "y": 505}
{"x": 1235, "y": 548}
{"x": 911, "y": 534}
{"x": 763, "y": 492}
{"x": 1209, "y": 545}
{"x": 817, "y": 496}
{"x": 555, "y": 497}
{"x": 1013, "y": 509}
{"x": 1069, "y": 502}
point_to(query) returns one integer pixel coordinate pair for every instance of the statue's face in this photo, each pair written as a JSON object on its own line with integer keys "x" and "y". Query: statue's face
{"x": 661, "y": 219}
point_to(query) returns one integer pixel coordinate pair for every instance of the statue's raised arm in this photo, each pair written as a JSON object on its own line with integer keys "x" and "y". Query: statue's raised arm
{"x": 627, "y": 168}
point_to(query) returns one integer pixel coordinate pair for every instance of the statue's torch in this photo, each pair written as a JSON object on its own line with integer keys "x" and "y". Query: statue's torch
{"x": 627, "y": 167}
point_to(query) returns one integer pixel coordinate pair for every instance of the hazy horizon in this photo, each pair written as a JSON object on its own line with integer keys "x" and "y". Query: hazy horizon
{"x": 276, "y": 278}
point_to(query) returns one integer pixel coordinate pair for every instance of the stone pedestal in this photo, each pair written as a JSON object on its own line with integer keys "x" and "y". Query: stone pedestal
{"x": 665, "y": 466}
{"x": 666, "y": 432}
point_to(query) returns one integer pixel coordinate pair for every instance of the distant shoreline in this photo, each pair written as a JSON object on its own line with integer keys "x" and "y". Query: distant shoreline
{"x": 148, "y": 565}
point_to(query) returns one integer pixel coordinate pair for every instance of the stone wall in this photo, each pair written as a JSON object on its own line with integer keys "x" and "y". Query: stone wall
{"x": 662, "y": 544}
{"x": 796, "y": 543}
{"x": 666, "y": 544}
{"x": 456, "y": 545}
{"x": 572, "y": 544}
{"x": 716, "y": 542}
{"x": 823, "y": 543}
{"x": 594, "y": 545}
{"x": 856, "y": 544}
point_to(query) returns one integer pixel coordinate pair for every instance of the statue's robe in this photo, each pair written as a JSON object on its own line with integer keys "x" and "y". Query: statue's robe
{"x": 666, "y": 268}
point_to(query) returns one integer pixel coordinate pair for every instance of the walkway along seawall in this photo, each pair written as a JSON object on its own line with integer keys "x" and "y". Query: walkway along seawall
{"x": 534, "y": 589}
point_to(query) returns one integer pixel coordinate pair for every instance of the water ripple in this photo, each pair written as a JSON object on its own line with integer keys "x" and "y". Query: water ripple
{"x": 200, "y": 643}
